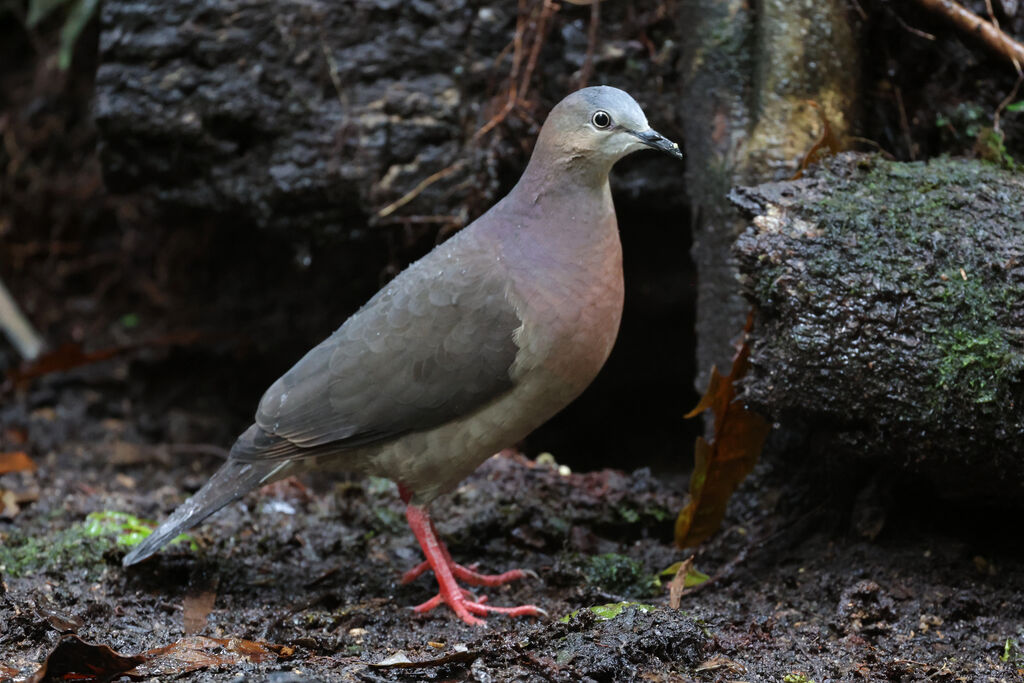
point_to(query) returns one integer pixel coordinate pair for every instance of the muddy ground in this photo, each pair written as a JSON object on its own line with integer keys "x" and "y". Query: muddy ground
{"x": 310, "y": 573}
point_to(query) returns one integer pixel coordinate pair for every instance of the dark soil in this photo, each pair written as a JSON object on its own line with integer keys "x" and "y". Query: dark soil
{"x": 935, "y": 596}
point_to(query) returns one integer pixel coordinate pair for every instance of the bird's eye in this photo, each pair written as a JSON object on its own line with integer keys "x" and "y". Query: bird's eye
{"x": 601, "y": 119}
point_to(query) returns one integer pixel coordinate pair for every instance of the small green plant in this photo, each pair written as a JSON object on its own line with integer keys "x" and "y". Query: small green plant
{"x": 693, "y": 577}
{"x": 609, "y": 611}
{"x": 127, "y": 530}
{"x": 990, "y": 145}
{"x": 1011, "y": 653}
{"x": 79, "y": 13}
{"x": 620, "y": 574}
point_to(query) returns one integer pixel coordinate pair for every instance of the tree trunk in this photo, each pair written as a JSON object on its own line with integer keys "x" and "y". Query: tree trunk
{"x": 890, "y": 315}
{"x": 750, "y": 72}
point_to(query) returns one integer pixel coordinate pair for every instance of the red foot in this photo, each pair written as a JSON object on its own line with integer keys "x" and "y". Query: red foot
{"x": 463, "y": 603}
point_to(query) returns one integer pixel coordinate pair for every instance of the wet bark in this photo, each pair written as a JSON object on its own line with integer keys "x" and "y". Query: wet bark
{"x": 317, "y": 116}
{"x": 750, "y": 72}
{"x": 890, "y": 315}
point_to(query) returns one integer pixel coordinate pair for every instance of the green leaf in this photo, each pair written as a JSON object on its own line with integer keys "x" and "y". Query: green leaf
{"x": 694, "y": 577}
{"x": 1016, "y": 106}
{"x": 40, "y": 9}
{"x": 79, "y": 15}
{"x": 609, "y": 611}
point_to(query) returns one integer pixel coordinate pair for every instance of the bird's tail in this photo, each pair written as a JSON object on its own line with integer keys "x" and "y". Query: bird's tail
{"x": 228, "y": 484}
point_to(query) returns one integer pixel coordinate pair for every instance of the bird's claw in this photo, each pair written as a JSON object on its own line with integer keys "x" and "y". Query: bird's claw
{"x": 468, "y": 608}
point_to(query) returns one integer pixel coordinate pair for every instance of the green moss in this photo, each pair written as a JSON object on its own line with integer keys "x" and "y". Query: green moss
{"x": 646, "y": 514}
{"x": 797, "y": 678}
{"x": 64, "y": 550}
{"x": 619, "y": 574}
{"x": 82, "y": 545}
{"x": 970, "y": 356}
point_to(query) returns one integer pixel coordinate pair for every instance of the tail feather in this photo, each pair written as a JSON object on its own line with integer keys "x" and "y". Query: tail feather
{"x": 228, "y": 484}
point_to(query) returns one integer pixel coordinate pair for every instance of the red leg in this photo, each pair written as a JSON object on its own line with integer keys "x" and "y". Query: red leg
{"x": 466, "y": 574}
{"x": 461, "y": 601}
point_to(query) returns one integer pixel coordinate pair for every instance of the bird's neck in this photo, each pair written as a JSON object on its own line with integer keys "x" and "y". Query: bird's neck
{"x": 557, "y": 169}
{"x": 559, "y": 219}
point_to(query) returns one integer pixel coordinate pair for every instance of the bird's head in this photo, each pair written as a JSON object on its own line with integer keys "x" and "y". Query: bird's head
{"x": 598, "y": 126}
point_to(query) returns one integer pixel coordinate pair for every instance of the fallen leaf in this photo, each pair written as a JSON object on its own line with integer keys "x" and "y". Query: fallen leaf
{"x": 16, "y": 435}
{"x": 200, "y": 652}
{"x": 71, "y": 355}
{"x": 684, "y": 576}
{"x": 73, "y": 658}
{"x": 678, "y": 583}
{"x": 60, "y": 622}
{"x": 826, "y": 145}
{"x": 198, "y": 602}
{"x": 722, "y": 664}
{"x": 16, "y": 461}
{"x": 721, "y": 464}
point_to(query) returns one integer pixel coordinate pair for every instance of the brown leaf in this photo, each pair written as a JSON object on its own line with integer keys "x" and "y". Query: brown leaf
{"x": 71, "y": 355}
{"x": 678, "y": 583}
{"x": 199, "y": 601}
{"x": 60, "y": 622}
{"x": 200, "y": 652}
{"x": 826, "y": 145}
{"x": 73, "y": 658}
{"x": 720, "y": 465}
{"x": 16, "y": 461}
{"x": 15, "y": 435}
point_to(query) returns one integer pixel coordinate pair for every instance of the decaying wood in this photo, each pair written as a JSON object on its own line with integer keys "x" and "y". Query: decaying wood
{"x": 890, "y": 315}
{"x": 295, "y": 115}
{"x": 749, "y": 76}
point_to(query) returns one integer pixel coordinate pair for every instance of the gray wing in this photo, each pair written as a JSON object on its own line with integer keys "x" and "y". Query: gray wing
{"x": 433, "y": 345}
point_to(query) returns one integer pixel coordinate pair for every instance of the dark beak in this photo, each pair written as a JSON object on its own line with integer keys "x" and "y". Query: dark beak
{"x": 656, "y": 140}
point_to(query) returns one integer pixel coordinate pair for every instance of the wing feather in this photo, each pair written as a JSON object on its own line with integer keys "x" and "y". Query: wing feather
{"x": 433, "y": 345}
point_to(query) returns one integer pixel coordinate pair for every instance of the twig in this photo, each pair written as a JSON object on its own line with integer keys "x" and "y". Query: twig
{"x": 588, "y": 60}
{"x": 995, "y": 22}
{"x": 910, "y": 29}
{"x": 904, "y": 123}
{"x": 970, "y": 22}
{"x": 519, "y": 87}
{"x": 546, "y": 10}
{"x": 513, "y": 77}
{"x": 17, "y": 327}
{"x": 428, "y": 220}
{"x": 1005, "y": 103}
{"x": 415, "y": 192}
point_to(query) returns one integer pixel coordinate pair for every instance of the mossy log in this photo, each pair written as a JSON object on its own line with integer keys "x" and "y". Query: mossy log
{"x": 890, "y": 314}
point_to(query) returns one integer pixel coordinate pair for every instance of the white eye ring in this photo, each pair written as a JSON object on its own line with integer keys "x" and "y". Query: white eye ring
{"x": 601, "y": 119}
